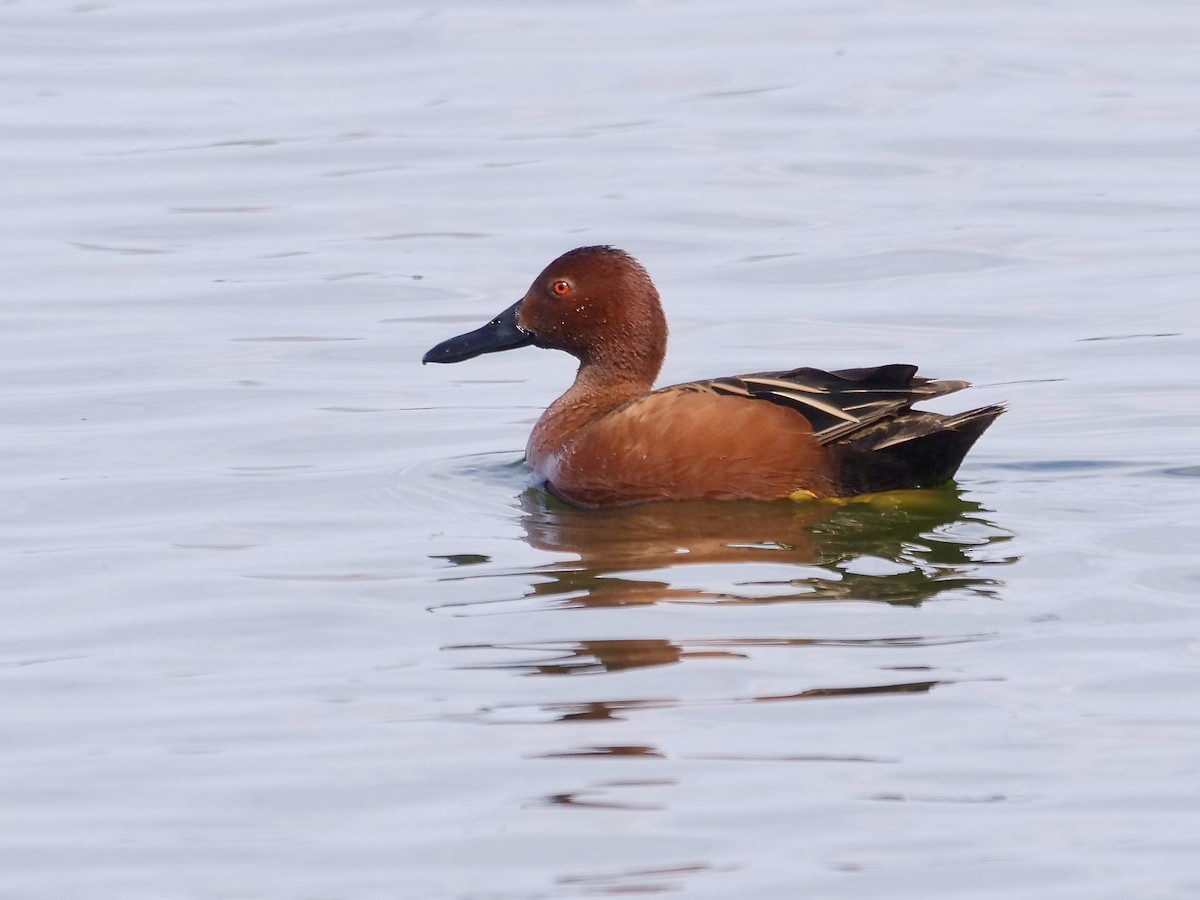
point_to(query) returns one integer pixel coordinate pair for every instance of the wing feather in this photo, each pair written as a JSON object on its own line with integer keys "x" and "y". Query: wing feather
{"x": 837, "y": 404}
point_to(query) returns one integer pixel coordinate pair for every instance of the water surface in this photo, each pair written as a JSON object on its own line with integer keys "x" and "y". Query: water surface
{"x": 286, "y": 616}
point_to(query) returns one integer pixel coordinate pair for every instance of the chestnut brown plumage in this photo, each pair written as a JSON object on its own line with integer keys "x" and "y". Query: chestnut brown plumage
{"x": 612, "y": 439}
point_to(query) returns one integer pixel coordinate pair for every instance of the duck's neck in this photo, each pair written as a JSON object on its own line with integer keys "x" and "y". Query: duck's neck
{"x": 612, "y": 372}
{"x": 597, "y": 391}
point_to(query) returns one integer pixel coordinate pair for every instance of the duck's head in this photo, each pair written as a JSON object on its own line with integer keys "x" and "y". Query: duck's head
{"x": 596, "y": 303}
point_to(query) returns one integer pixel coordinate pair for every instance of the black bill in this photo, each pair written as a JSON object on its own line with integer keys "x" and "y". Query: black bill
{"x": 502, "y": 333}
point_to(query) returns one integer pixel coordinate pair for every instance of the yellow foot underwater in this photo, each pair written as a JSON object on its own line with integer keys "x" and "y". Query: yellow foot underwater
{"x": 906, "y": 498}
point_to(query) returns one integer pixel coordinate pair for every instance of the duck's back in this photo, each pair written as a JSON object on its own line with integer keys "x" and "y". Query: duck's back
{"x": 765, "y": 436}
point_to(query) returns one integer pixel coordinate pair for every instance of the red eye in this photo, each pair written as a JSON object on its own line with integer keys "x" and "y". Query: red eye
{"x": 560, "y": 288}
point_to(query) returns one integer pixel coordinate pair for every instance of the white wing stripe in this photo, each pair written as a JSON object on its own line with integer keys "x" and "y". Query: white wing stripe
{"x": 823, "y": 407}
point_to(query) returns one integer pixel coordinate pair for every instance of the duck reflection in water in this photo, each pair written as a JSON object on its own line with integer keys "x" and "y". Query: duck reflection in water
{"x": 903, "y": 548}
{"x": 900, "y": 549}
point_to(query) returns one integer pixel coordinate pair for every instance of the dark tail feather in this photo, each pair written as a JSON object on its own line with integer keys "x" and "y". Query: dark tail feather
{"x": 913, "y": 450}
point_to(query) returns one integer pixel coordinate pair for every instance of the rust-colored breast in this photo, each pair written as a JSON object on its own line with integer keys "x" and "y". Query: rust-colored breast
{"x": 681, "y": 444}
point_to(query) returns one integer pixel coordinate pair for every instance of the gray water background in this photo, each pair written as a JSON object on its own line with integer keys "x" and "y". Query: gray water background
{"x": 283, "y": 617}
